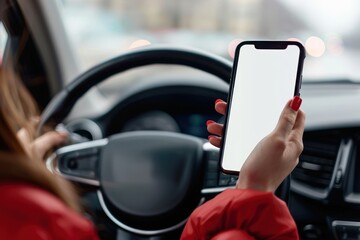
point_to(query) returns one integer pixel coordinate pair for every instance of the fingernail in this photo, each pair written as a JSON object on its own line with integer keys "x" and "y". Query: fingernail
{"x": 209, "y": 122}
{"x": 210, "y": 137}
{"x": 218, "y": 100}
{"x": 296, "y": 103}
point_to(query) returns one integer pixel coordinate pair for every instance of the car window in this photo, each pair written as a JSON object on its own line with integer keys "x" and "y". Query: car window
{"x": 100, "y": 29}
{"x": 3, "y": 40}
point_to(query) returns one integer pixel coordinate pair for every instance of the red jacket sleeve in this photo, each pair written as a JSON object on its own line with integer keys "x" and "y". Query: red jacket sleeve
{"x": 27, "y": 212}
{"x": 241, "y": 214}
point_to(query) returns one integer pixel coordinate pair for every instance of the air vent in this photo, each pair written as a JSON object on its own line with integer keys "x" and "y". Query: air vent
{"x": 316, "y": 163}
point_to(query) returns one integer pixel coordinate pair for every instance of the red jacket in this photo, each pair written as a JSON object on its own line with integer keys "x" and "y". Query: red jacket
{"x": 27, "y": 212}
{"x": 241, "y": 214}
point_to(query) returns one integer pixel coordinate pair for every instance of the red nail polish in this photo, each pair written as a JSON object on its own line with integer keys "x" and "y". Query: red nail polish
{"x": 296, "y": 103}
{"x": 209, "y": 122}
{"x": 218, "y": 100}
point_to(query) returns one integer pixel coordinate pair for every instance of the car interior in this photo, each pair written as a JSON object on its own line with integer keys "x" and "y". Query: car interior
{"x": 136, "y": 99}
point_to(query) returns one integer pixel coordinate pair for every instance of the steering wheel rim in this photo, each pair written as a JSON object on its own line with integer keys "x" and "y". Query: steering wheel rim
{"x": 63, "y": 102}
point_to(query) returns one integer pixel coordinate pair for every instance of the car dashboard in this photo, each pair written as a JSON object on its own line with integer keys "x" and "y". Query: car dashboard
{"x": 325, "y": 185}
{"x": 324, "y": 198}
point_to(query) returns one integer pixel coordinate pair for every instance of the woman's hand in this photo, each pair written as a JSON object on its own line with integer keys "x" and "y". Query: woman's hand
{"x": 275, "y": 156}
{"x": 43, "y": 144}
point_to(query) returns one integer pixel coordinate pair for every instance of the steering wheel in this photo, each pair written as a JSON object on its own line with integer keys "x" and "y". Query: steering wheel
{"x": 148, "y": 182}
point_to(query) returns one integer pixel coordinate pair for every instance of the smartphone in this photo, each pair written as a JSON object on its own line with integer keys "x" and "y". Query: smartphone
{"x": 265, "y": 75}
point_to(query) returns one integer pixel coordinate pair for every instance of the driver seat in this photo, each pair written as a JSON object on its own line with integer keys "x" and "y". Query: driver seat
{"x": 29, "y": 212}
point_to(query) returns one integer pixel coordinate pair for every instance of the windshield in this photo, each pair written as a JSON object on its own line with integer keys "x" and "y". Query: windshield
{"x": 100, "y": 29}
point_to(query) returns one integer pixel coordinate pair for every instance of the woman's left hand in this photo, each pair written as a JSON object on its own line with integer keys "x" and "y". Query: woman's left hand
{"x": 43, "y": 144}
{"x": 276, "y": 155}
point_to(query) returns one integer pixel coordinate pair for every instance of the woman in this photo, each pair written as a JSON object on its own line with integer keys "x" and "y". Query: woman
{"x": 38, "y": 205}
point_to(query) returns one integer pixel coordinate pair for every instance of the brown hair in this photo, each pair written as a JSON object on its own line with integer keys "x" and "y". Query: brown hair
{"x": 17, "y": 110}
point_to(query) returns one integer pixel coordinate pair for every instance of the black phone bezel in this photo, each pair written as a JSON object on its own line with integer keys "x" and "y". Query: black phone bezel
{"x": 263, "y": 44}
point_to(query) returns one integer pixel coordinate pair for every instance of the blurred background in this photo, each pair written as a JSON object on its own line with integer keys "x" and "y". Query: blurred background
{"x": 100, "y": 29}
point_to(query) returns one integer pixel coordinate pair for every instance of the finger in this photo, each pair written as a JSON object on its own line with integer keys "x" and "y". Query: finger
{"x": 48, "y": 141}
{"x": 296, "y": 136}
{"x": 34, "y": 120}
{"x": 216, "y": 141}
{"x": 299, "y": 125}
{"x": 24, "y": 139}
{"x": 215, "y": 128}
{"x": 288, "y": 117}
{"x": 23, "y": 136}
{"x": 220, "y": 106}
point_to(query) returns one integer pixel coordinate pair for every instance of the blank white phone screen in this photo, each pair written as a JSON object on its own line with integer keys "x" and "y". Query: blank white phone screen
{"x": 265, "y": 81}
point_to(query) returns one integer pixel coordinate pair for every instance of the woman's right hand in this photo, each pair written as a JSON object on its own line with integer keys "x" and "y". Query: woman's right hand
{"x": 276, "y": 155}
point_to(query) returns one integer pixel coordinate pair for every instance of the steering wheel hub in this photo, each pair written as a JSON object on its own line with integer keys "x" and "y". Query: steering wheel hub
{"x": 158, "y": 171}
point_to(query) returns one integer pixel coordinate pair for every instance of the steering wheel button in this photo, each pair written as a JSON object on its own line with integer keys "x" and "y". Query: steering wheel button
{"x": 81, "y": 163}
{"x": 89, "y": 152}
{"x": 88, "y": 174}
{"x": 87, "y": 163}
{"x": 72, "y": 164}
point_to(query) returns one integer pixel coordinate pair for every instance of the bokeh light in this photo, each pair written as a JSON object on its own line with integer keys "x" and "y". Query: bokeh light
{"x": 295, "y": 40}
{"x": 232, "y": 46}
{"x": 139, "y": 43}
{"x": 315, "y": 46}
